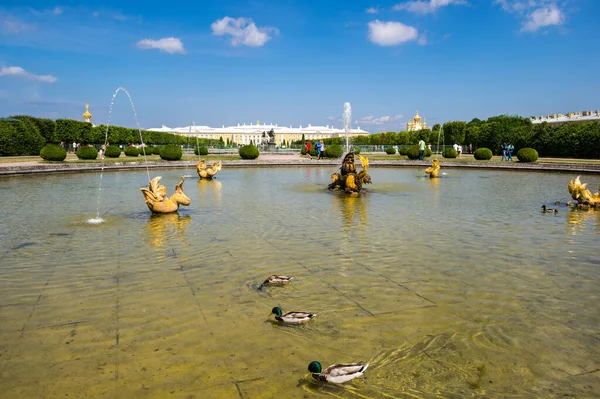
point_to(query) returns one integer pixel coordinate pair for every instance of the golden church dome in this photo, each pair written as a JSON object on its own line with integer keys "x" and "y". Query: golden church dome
{"x": 87, "y": 114}
{"x": 417, "y": 117}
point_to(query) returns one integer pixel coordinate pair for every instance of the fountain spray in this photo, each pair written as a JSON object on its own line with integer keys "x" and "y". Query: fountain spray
{"x": 347, "y": 121}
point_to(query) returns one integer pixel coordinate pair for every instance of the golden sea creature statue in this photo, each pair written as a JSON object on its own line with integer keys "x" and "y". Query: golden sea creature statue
{"x": 348, "y": 180}
{"x": 434, "y": 170}
{"x": 582, "y": 195}
{"x": 206, "y": 172}
{"x": 156, "y": 197}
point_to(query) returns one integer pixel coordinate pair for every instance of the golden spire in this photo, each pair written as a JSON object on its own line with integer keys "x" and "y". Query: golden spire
{"x": 417, "y": 117}
{"x": 86, "y": 115}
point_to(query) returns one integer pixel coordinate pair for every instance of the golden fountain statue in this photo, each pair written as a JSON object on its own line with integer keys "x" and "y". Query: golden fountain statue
{"x": 434, "y": 170}
{"x": 206, "y": 172}
{"x": 582, "y": 195}
{"x": 348, "y": 180}
{"x": 156, "y": 197}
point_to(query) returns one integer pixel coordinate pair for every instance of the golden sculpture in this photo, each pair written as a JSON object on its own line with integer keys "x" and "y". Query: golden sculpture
{"x": 582, "y": 195}
{"x": 206, "y": 172}
{"x": 156, "y": 197}
{"x": 434, "y": 170}
{"x": 348, "y": 180}
{"x": 86, "y": 115}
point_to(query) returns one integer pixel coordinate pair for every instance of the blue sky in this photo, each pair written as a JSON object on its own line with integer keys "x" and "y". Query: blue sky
{"x": 297, "y": 61}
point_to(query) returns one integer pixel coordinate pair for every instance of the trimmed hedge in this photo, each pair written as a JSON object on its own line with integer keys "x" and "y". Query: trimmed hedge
{"x": 527, "y": 155}
{"x": 483, "y": 154}
{"x": 250, "y": 152}
{"x": 131, "y": 151}
{"x": 413, "y": 152}
{"x": 427, "y": 152}
{"x": 85, "y": 152}
{"x": 450, "y": 153}
{"x": 355, "y": 150}
{"x": 53, "y": 152}
{"x": 403, "y": 150}
{"x": 314, "y": 152}
{"x": 155, "y": 151}
{"x": 201, "y": 150}
{"x": 334, "y": 151}
{"x": 113, "y": 151}
{"x": 171, "y": 152}
{"x": 303, "y": 150}
{"x": 390, "y": 150}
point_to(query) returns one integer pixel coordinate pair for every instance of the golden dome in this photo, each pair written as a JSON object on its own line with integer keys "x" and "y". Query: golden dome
{"x": 417, "y": 117}
{"x": 87, "y": 114}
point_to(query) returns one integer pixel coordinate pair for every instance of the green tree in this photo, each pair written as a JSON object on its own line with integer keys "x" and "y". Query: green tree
{"x": 455, "y": 132}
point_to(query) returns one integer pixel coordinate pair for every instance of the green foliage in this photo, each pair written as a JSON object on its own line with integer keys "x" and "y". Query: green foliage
{"x": 171, "y": 152}
{"x": 155, "y": 151}
{"x": 455, "y": 132}
{"x": 333, "y": 151}
{"x": 53, "y": 152}
{"x": 527, "y": 155}
{"x": 404, "y": 150}
{"x": 249, "y": 152}
{"x": 45, "y": 127}
{"x": 303, "y": 150}
{"x": 449, "y": 152}
{"x": 72, "y": 131}
{"x": 201, "y": 150}
{"x": 18, "y": 137}
{"x": 355, "y": 150}
{"x": 427, "y": 152}
{"x": 413, "y": 152}
{"x": 390, "y": 150}
{"x": 113, "y": 151}
{"x": 131, "y": 151}
{"x": 86, "y": 152}
{"x": 483, "y": 154}
{"x": 314, "y": 152}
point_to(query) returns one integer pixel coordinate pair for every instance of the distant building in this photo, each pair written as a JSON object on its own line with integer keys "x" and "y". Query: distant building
{"x": 570, "y": 117}
{"x": 244, "y": 134}
{"x": 416, "y": 123}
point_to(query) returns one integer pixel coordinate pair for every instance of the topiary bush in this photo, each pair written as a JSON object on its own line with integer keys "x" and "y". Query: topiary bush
{"x": 413, "y": 152}
{"x": 155, "y": 150}
{"x": 113, "y": 151}
{"x": 201, "y": 150}
{"x": 303, "y": 150}
{"x": 449, "y": 153}
{"x": 403, "y": 150}
{"x": 527, "y": 155}
{"x": 131, "y": 151}
{"x": 390, "y": 150}
{"x": 355, "y": 150}
{"x": 146, "y": 150}
{"x": 53, "y": 152}
{"x": 85, "y": 152}
{"x": 171, "y": 152}
{"x": 427, "y": 152}
{"x": 251, "y": 152}
{"x": 334, "y": 151}
{"x": 483, "y": 154}
{"x": 314, "y": 152}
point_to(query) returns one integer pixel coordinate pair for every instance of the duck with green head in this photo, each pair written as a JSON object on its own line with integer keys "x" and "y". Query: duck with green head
{"x": 292, "y": 317}
{"x": 337, "y": 373}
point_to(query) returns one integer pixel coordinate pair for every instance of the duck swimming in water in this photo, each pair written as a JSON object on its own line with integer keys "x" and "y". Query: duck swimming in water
{"x": 275, "y": 279}
{"x": 337, "y": 373}
{"x": 548, "y": 210}
{"x": 292, "y": 317}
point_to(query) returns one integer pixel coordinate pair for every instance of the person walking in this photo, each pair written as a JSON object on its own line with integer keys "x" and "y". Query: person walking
{"x": 421, "y": 149}
{"x": 503, "y": 147}
{"x": 509, "y": 152}
{"x": 308, "y": 150}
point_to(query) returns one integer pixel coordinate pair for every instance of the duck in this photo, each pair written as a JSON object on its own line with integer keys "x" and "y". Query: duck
{"x": 548, "y": 210}
{"x": 275, "y": 279}
{"x": 337, "y": 373}
{"x": 292, "y": 317}
{"x": 156, "y": 197}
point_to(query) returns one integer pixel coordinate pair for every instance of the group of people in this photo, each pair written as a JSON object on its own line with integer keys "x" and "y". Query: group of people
{"x": 507, "y": 150}
{"x": 319, "y": 146}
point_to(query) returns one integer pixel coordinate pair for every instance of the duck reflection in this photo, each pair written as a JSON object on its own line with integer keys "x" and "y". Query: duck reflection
{"x": 353, "y": 208}
{"x": 162, "y": 226}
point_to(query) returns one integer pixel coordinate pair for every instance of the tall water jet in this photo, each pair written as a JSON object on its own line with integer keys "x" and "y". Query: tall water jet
{"x": 347, "y": 121}
{"x": 98, "y": 219}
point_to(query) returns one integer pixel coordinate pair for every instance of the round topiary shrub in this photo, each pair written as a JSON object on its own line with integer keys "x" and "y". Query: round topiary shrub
{"x": 171, "y": 152}
{"x": 527, "y": 155}
{"x": 450, "y": 153}
{"x": 113, "y": 151}
{"x": 87, "y": 152}
{"x": 145, "y": 150}
{"x": 390, "y": 150}
{"x": 303, "y": 151}
{"x": 250, "y": 152}
{"x": 355, "y": 150}
{"x": 201, "y": 150}
{"x": 53, "y": 152}
{"x": 403, "y": 150}
{"x": 314, "y": 152}
{"x": 131, "y": 151}
{"x": 427, "y": 152}
{"x": 483, "y": 154}
{"x": 155, "y": 150}
{"x": 413, "y": 152}
{"x": 334, "y": 151}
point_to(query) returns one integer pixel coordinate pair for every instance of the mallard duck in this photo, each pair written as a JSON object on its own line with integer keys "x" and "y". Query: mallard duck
{"x": 275, "y": 279}
{"x": 156, "y": 197}
{"x": 292, "y": 317}
{"x": 548, "y": 210}
{"x": 337, "y": 373}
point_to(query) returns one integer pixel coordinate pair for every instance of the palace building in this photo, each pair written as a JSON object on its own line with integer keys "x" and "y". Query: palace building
{"x": 570, "y": 117}
{"x": 244, "y": 134}
{"x": 416, "y": 123}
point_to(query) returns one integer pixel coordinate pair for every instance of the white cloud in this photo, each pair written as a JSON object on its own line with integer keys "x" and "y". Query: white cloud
{"x": 57, "y": 10}
{"x": 21, "y": 73}
{"x": 425, "y": 6}
{"x": 373, "y": 10}
{"x": 13, "y": 25}
{"x": 536, "y": 14}
{"x": 242, "y": 31}
{"x": 169, "y": 45}
{"x": 382, "y": 120}
{"x": 391, "y": 33}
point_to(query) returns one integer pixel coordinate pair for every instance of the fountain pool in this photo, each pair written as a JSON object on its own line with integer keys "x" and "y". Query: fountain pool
{"x": 457, "y": 287}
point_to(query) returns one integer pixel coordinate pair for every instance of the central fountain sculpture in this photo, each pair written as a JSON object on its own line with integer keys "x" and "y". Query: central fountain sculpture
{"x": 156, "y": 197}
{"x": 348, "y": 180}
{"x": 434, "y": 170}
{"x": 584, "y": 197}
{"x": 208, "y": 172}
